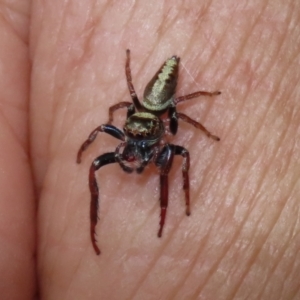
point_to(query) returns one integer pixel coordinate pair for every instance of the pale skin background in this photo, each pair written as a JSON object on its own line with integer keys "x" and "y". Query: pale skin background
{"x": 242, "y": 239}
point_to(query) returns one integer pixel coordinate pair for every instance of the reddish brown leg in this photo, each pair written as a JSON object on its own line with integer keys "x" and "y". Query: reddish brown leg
{"x": 197, "y": 125}
{"x": 173, "y": 115}
{"x": 132, "y": 92}
{"x": 119, "y": 105}
{"x": 195, "y": 95}
{"x": 164, "y": 196}
{"x": 185, "y": 174}
{"x": 109, "y": 129}
{"x": 99, "y": 162}
{"x": 164, "y": 162}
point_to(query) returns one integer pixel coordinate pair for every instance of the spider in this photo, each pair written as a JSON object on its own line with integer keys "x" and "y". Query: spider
{"x": 142, "y": 138}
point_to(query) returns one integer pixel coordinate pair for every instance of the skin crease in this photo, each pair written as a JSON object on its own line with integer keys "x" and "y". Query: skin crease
{"x": 17, "y": 205}
{"x": 242, "y": 238}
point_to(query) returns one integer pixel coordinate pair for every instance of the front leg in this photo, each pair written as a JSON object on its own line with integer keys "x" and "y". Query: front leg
{"x": 198, "y": 125}
{"x": 195, "y": 95}
{"x": 109, "y": 129}
{"x": 132, "y": 92}
{"x": 99, "y": 162}
{"x": 164, "y": 162}
{"x": 178, "y": 150}
{"x": 128, "y": 105}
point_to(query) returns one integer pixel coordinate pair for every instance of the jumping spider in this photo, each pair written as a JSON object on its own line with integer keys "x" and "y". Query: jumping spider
{"x": 142, "y": 138}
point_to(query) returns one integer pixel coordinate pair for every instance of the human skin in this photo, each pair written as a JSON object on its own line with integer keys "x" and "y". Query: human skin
{"x": 242, "y": 238}
{"x": 17, "y": 205}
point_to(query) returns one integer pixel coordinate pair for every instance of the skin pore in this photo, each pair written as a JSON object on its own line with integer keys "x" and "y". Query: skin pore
{"x": 242, "y": 238}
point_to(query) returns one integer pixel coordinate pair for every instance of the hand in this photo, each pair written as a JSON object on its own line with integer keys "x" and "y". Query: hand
{"x": 242, "y": 238}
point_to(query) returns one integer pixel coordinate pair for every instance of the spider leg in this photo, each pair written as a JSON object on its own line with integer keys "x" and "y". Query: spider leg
{"x": 164, "y": 162}
{"x": 130, "y": 110}
{"x": 99, "y": 162}
{"x": 164, "y": 197}
{"x": 196, "y": 124}
{"x": 109, "y": 129}
{"x": 195, "y": 95}
{"x": 178, "y": 150}
{"x": 132, "y": 92}
{"x": 173, "y": 115}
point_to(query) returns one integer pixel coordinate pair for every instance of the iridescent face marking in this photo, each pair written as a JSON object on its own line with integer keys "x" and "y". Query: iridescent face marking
{"x": 143, "y": 125}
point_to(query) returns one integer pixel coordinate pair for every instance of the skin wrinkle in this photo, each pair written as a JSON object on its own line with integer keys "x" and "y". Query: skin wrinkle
{"x": 47, "y": 224}
{"x": 279, "y": 83}
{"x": 10, "y": 23}
{"x": 158, "y": 257}
{"x": 217, "y": 263}
{"x": 89, "y": 33}
{"x": 269, "y": 68}
{"x": 275, "y": 222}
{"x": 242, "y": 45}
{"x": 22, "y": 144}
{"x": 289, "y": 118}
{"x": 296, "y": 224}
{"x": 278, "y": 146}
{"x": 15, "y": 107}
{"x": 297, "y": 289}
{"x": 215, "y": 48}
{"x": 285, "y": 71}
{"x": 283, "y": 284}
{"x": 201, "y": 248}
{"x": 279, "y": 259}
{"x": 255, "y": 256}
{"x": 155, "y": 260}
{"x": 298, "y": 78}
{"x": 152, "y": 211}
{"x": 244, "y": 104}
{"x": 263, "y": 118}
{"x": 17, "y": 199}
{"x": 228, "y": 247}
{"x": 76, "y": 270}
{"x": 203, "y": 11}
{"x": 289, "y": 19}
{"x": 44, "y": 155}
{"x": 79, "y": 61}
{"x": 56, "y": 81}
{"x": 191, "y": 37}
{"x": 65, "y": 209}
{"x": 138, "y": 229}
{"x": 168, "y": 19}
{"x": 162, "y": 27}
